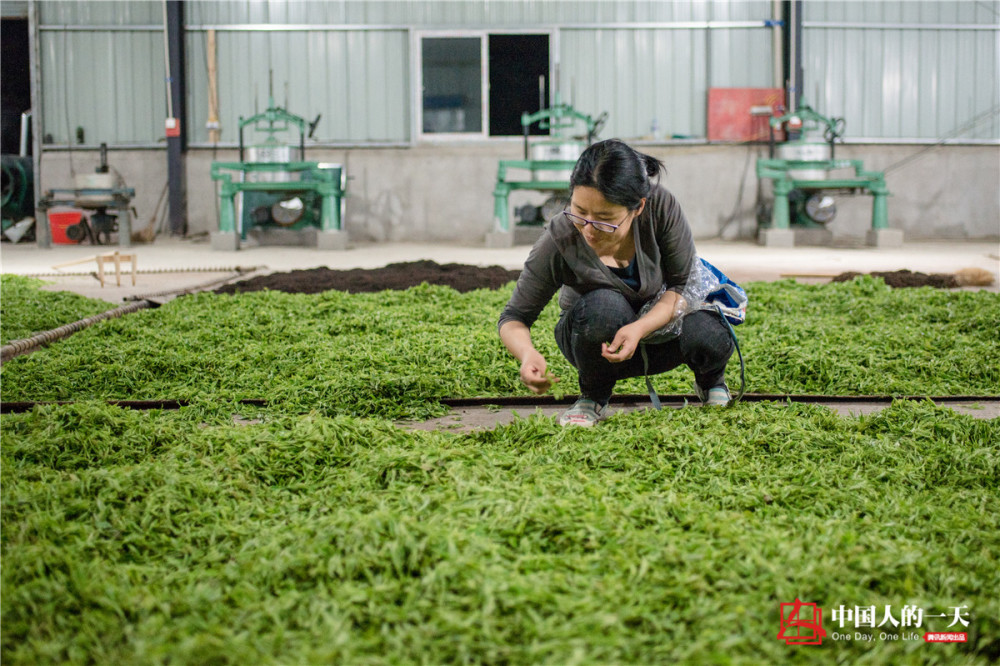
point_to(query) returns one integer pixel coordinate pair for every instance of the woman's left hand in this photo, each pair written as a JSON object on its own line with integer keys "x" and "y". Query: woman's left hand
{"x": 625, "y": 343}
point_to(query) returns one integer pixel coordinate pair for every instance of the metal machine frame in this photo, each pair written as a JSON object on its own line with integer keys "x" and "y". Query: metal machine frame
{"x": 557, "y": 118}
{"x": 326, "y": 185}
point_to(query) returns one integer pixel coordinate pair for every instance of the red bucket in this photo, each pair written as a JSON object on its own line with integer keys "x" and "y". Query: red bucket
{"x": 61, "y": 220}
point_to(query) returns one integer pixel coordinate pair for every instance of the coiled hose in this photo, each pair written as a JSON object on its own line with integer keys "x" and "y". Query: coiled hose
{"x": 26, "y": 345}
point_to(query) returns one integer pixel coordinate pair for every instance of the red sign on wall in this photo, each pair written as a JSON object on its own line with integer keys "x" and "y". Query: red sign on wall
{"x": 730, "y": 116}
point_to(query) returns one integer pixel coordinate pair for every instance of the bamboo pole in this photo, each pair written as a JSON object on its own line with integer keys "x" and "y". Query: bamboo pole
{"x": 213, "y": 91}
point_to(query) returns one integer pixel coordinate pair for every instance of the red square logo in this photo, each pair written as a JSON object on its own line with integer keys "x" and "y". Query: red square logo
{"x": 801, "y": 624}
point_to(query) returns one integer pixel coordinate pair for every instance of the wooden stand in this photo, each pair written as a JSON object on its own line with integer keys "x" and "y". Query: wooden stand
{"x": 116, "y": 257}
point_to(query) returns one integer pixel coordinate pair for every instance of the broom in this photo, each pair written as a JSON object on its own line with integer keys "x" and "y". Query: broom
{"x": 973, "y": 277}
{"x": 148, "y": 235}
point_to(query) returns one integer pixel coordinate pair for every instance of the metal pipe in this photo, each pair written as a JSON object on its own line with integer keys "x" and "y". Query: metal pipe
{"x": 64, "y": 27}
{"x": 25, "y": 127}
{"x": 177, "y": 93}
{"x": 676, "y": 25}
{"x": 777, "y": 46}
{"x": 166, "y": 60}
{"x": 794, "y": 34}
{"x": 333, "y": 145}
{"x": 900, "y": 26}
{"x": 662, "y": 25}
{"x": 307, "y": 27}
{"x": 43, "y": 234}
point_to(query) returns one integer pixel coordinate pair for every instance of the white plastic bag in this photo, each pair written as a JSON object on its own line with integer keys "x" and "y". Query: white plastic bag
{"x": 702, "y": 281}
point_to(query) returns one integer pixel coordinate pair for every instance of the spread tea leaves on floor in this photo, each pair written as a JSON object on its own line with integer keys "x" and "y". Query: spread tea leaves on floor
{"x": 656, "y": 538}
{"x": 318, "y": 532}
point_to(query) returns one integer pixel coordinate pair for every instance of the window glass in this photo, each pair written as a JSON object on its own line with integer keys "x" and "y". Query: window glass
{"x": 452, "y": 82}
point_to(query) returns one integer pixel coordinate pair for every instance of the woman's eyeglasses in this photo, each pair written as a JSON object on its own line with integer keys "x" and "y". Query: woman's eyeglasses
{"x": 582, "y": 222}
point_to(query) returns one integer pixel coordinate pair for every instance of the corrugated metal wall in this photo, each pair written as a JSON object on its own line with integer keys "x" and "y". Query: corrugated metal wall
{"x": 640, "y": 76}
{"x": 99, "y": 91}
{"x": 102, "y": 72}
{"x": 904, "y": 70}
{"x": 357, "y": 80}
{"x": 894, "y": 70}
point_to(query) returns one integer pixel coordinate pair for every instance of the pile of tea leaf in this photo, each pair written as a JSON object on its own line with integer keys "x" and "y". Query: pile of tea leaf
{"x": 394, "y": 354}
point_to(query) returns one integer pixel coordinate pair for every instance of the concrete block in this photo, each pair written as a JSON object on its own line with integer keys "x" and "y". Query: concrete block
{"x": 499, "y": 239}
{"x": 331, "y": 240}
{"x": 813, "y": 236}
{"x": 225, "y": 241}
{"x": 776, "y": 238}
{"x": 885, "y": 237}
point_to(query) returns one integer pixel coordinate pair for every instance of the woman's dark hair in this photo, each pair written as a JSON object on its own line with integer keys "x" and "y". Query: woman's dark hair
{"x": 616, "y": 170}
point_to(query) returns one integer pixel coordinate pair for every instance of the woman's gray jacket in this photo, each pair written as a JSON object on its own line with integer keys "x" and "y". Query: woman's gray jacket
{"x": 561, "y": 258}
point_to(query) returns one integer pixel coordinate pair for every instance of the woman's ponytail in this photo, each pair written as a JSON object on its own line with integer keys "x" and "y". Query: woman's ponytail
{"x": 654, "y": 167}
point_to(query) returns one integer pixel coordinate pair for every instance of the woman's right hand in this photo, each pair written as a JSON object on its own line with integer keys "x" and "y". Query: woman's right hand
{"x": 535, "y": 374}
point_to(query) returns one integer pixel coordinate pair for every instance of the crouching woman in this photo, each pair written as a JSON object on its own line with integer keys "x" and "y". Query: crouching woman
{"x": 621, "y": 244}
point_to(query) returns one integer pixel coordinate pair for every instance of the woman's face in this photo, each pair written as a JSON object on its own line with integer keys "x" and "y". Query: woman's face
{"x": 588, "y": 205}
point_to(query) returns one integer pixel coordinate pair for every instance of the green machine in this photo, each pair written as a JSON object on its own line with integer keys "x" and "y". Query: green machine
{"x": 271, "y": 193}
{"x": 801, "y": 170}
{"x": 548, "y": 162}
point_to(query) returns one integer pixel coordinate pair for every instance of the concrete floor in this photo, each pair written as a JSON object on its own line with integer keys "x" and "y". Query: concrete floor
{"x": 467, "y": 419}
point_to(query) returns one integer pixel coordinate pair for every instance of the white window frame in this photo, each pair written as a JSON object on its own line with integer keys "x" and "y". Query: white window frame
{"x": 417, "y": 74}
{"x": 417, "y": 52}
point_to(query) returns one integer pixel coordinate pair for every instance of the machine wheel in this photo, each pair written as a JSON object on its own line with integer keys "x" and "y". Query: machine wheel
{"x": 287, "y": 212}
{"x": 76, "y": 232}
{"x": 821, "y": 208}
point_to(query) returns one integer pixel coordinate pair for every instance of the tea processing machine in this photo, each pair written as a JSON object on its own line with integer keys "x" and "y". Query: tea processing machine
{"x": 548, "y": 164}
{"x": 102, "y": 191}
{"x": 801, "y": 170}
{"x": 275, "y": 197}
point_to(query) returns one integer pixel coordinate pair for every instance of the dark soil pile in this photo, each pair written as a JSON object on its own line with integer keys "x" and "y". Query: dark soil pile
{"x": 460, "y": 277}
{"x": 906, "y": 278}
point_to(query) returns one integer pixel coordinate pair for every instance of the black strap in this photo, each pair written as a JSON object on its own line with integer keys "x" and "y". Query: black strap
{"x": 736, "y": 341}
{"x": 655, "y": 399}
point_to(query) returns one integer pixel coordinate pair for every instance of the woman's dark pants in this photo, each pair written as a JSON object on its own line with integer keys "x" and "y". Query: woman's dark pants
{"x": 704, "y": 344}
